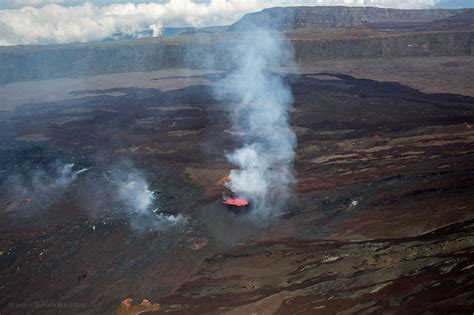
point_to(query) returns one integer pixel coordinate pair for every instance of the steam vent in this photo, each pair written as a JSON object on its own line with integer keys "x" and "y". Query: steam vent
{"x": 237, "y": 157}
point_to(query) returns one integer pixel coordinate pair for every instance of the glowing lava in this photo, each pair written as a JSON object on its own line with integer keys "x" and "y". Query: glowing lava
{"x": 236, "y": 202}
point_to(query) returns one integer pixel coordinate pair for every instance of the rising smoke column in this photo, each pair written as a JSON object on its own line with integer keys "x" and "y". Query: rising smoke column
{"x": 260, "y": 104}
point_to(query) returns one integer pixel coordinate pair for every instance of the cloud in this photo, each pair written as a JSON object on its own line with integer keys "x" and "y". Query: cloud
{"x": 29, "y": 3}
{"x": 54, "y": 23}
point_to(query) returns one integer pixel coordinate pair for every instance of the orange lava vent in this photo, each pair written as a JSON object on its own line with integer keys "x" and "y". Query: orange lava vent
{"x": 236, "y": 202}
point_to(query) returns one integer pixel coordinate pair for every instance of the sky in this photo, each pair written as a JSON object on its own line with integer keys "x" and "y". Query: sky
{"x": 26, "y": 22}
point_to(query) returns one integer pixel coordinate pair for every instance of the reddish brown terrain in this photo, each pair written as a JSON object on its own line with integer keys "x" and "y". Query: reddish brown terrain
{"x": 381, "y": 220}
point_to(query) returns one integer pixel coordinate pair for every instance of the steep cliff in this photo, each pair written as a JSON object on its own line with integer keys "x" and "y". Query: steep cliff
{"x": 290, "y": 18}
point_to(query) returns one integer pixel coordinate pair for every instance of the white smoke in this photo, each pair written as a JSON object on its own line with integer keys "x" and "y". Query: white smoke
{"x": 259, "y": 111}
{"x": 141, "y": 203}
{"x": 54, "y": 23}
{"x": 44, "y": 187}
{"x": 136, "y": 194}
{"x": 63, "y": 176}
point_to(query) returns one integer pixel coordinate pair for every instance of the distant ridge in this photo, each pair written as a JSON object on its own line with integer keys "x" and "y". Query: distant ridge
{"x": 290, "y": 18}
{"x": 464, "y": 20}
{"x": 316, "y": 33}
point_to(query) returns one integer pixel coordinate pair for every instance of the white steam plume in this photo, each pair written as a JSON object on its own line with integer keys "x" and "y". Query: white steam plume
{"x": 42, "y": 187}
{"x": 141, "y": 202}
{"x": 54, "y": 23}
{"x": 135, "y": 193}
{"x": 259, "y": 111}
{"x": 63, "y": 176}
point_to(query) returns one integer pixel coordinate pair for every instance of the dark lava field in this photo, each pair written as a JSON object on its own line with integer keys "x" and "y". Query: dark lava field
{"x": 382, "y": 218}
